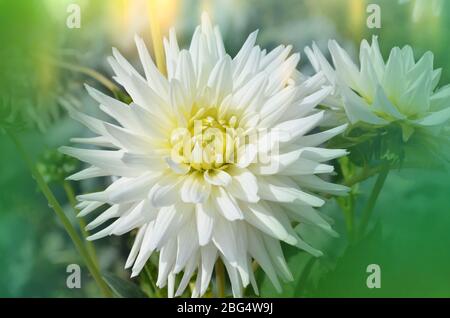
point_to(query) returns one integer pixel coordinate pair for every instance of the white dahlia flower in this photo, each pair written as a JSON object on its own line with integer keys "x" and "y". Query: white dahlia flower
{"x": 214, "y": 161}
{"x": 378, "y": 93}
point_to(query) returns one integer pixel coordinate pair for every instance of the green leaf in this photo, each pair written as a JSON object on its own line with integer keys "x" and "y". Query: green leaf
{"x": 123, "y": 288}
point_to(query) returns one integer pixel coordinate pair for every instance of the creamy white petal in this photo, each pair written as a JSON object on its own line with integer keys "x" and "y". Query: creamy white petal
{"x": 217, "y": 177}
{"x": 276, "y": 255}
{"x": 195, "y": 189}
{"x": 128, "y": 140}
{"x": 282, "y": 189}
{"x": 226, "y": 204}
{"x": 259, "y": 253}
{"x": 244, "y": 185}
{"x": 436, "y": 118}
{"x": 91, "y": 172}
{"x": 187, "y": 244}
{"x": 154, "y": 78}
{"x": 136, "y": 247}
{"x": 165, "y": 192}
{"x": 110, "y": 213}
{"x": 166, "y": 259}
{"x": 208, "y": 259}
{"x": 260, "y": 216}
{"x": 300, "y": 126}
{"x": 205, "y": 221}
{"x": 90, "y": 207}
{"x": 188, "y": 272}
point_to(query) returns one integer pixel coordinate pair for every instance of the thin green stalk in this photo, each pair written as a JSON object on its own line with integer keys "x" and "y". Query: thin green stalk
{"x": 81, "y": 222}
{"x": 307, "y": 270}
{"x": 348, "y": 207}
{"x": 367, "y": 213}
{"x": 151, "y": 281}
{"x": 56, "y": 206}
{"x": 364, "y": 175}
{"x": 89, "y": 72}
{"x": 220, "y": 279}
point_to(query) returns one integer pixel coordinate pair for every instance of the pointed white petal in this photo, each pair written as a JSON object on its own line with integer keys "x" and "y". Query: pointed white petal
{"x": 136, "y": 246}
{"x": 205, "y": 221}
{"x": 226, "y": 204}
{"x": 195, "y": 189}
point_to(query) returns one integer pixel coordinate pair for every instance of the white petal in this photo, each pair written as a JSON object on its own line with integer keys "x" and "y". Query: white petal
{"x": 93, "y": 124}
{"x": 300, "y": 126}
{"x": 244, "y": 185}
{"x": 274, "y": 108}
{"x": 113, "y": 107}
{"x": 154, "y": 78}
{"x": 305, "y": 167}
{"x": 99, "y": 141}
{"x": 436, "y": 118}
{"x": 143, "y": 162}
{"x": 187, "y": 243}
{"x": 224, "y": 238}
{"x": 128, "y": 139}
{"x": 260, "y": 216}
{"x": 188, "y": 271}
{"x": 166, "y": 260}
{"x": 135, "y": 217}
{"x": 282, "y": 189}
{"x": 111, "y": 212}
{"x": 220, "y": 80}
{"x": 178, "y": 168}
{"x": 217, "y": 177}
{"x": 208, "y": 259}
{"x": 317, "y": 184}
{"x": 168, "y": 221}
{"x": 322, "y": 154}
{"x": 91, "y": 172}
{"x": 319, "y": 138}
{"x": 258, "y": 251}
{"x": 241, "y": 57}
{"x": 226, "y": 204}
{"x": 305, "y": 214}
{"x": 195, "y": 189}
{"x": 358, "y": 110}
{"x": 205, "y": 221}
{"x": 145, "y": 250}
{"x": 165, "y": 192}
{"x": 233, "y": 275}
{"x": 106, "y": 160}
{"x": 172, "y": 50}
{"x": 246, "y": 155}
{"x": 90, "y": 207}
{"x": 276, "y": 255}
{"x": 136, "y": 247}
{"x": 344, "y": 65}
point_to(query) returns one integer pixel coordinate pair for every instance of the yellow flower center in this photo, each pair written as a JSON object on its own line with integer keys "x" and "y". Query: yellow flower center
{"x": 209, "y": 142}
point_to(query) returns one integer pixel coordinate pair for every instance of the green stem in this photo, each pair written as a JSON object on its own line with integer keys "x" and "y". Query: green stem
{"x": 303, "y": 280}
{"x": 220, "y": 279}
{"x": 54, "y": 204}
{"x": 151, "y": 281}
{"x": 81, "y": 222}
{"x": 367, "y": 213}
{"x": 348, "y": 207}
{"x": 364, "y": 175}
{"x": 89, "y": 72}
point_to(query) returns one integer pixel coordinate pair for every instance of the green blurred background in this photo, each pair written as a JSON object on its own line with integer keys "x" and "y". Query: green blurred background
{"x": 410, "y": 237}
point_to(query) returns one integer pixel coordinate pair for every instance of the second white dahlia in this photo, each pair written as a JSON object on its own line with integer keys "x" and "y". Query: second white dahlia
{"x": 214, "y": 161}
{"x": 398, "y": 91}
